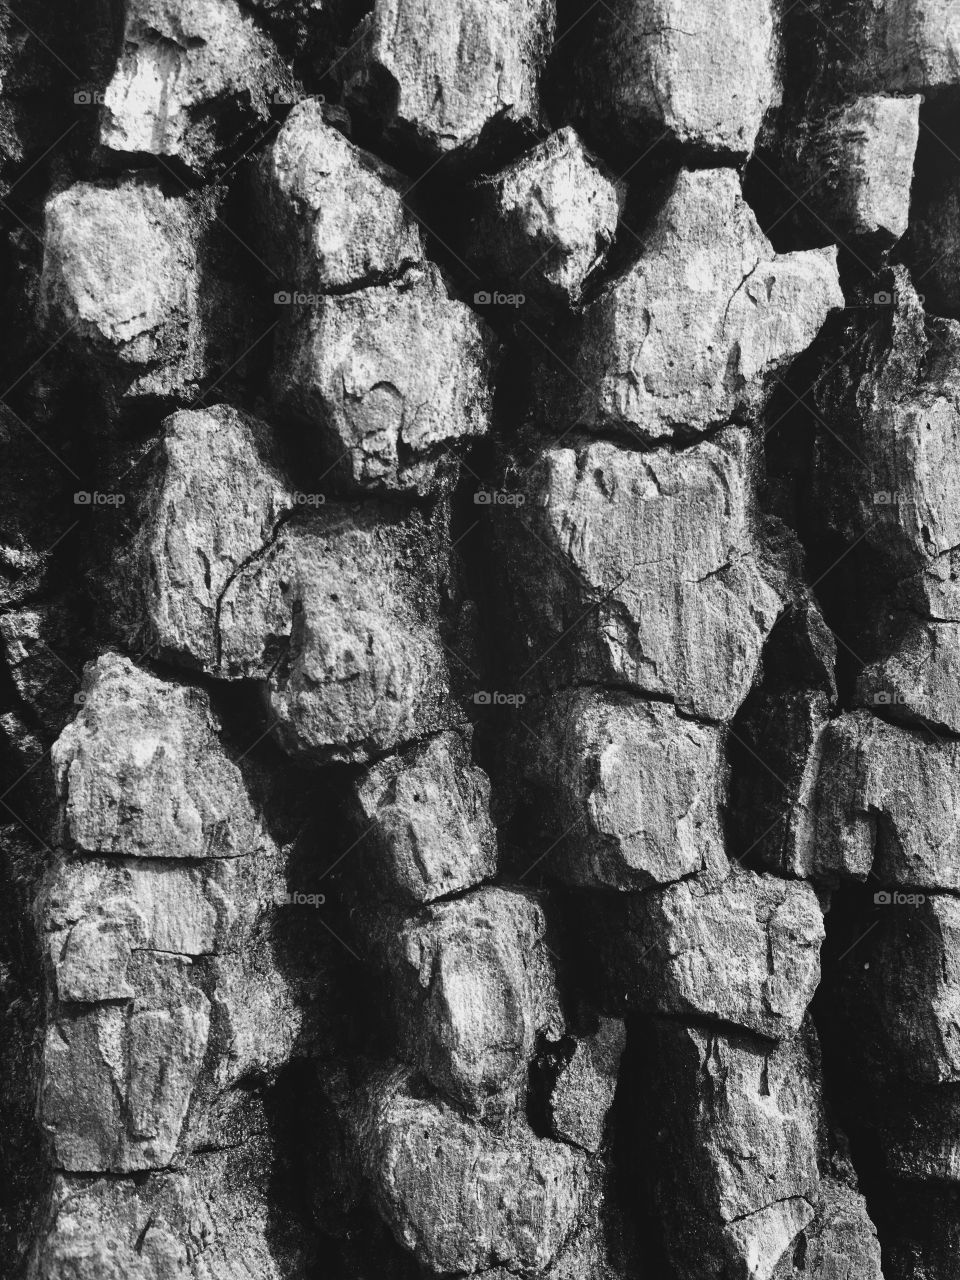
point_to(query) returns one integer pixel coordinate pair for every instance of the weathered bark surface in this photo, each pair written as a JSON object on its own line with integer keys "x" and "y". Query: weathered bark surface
{"x": 480, "y": 640}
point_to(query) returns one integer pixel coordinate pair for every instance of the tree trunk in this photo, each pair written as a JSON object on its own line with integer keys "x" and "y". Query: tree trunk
{"x": 479, "y": 722}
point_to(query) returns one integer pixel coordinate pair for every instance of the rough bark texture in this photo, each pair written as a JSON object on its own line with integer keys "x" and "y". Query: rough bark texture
{"x": 480, "y": 640}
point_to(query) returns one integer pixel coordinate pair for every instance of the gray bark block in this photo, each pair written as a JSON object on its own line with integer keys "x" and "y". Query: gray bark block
{"x": 914, "y": 47}
{"x": 473, "y": 987}
{"x": 840, "y": 1243}
{"x": 117, "y": 1083}
{"x": 885, "y": 806}
{"x": 342, "y": 633}
{"x": 914, "y": 680}
{"x": 209, "y": 1221}
{"x": 212, "y": 504}
{"x": 744, "y": 950}
{"x": 643, "y": 570}
{"x": 630, "y": 790}
{"x": 691, "y": 334}
{"x": 120, "y": 279}
{"x": 545, "y": 223}
{"x": 741, "y": 1122}
{"x": 389, "y": 378}
{"x": 179, "y": 61}
{"x": 426, "y": 818}
{"x": 141, "y": 772}
{"x": 859, "y": 166}
{"x": 583, "y": 1091}
{"x": 705, "y": 77}
{"x": 463, "y": 1198}
{"x": 438, "y": 76}
{"x": 333, "y": 215}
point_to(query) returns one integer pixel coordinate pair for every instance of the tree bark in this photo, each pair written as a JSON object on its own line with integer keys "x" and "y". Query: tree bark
{"x": 479, "y": 729}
